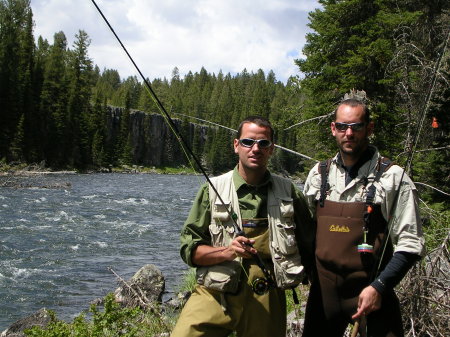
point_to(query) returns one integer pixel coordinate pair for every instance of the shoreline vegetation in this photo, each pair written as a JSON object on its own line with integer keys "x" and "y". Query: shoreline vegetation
{"x": 22, "y": 169}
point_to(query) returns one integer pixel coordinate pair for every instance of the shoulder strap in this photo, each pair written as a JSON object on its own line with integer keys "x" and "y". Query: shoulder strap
{"x": 383, "y": 165}
{"x": 324, "y": 168}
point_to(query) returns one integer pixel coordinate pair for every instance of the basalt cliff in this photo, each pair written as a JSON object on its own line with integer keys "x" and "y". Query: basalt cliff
{"x": 152, "y": 141}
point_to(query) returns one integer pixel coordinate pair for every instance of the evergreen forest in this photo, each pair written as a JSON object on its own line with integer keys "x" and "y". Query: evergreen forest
{"x": 53, "y": 96}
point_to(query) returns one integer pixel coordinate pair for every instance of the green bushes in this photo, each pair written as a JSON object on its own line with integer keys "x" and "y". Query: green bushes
{"x": 113, "y": 320}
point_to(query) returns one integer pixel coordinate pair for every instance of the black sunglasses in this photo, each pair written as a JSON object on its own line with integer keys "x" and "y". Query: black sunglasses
{"x": 262, "y": 143}
{"x": 353, "y": 126}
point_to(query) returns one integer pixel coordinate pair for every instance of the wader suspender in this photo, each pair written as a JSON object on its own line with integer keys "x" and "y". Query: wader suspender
{"x": 383, "y": 165}
{"x": 324, "y": 168}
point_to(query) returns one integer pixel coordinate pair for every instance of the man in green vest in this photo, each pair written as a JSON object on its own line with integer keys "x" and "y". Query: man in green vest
{"x": 359, "y": 259}
{"x": 248, "y": 236}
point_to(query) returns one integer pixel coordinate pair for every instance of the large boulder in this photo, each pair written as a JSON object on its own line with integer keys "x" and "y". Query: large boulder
{"x": 40, "y": 318}
{"x": 147, "y": 285}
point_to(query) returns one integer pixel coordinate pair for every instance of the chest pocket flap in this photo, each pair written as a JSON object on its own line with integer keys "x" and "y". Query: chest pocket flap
{"x": 220, "y": 211}
{"x": 286, "y": 207}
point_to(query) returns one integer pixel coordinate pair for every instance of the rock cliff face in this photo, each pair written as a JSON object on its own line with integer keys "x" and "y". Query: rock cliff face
{"x": 151, "y": 140}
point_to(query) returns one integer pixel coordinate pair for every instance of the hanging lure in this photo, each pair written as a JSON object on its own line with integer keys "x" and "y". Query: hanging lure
{"x": 365, "y": 247}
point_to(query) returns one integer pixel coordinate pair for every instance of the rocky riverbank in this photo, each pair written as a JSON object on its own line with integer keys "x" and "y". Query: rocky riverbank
{"x": 145, "y": 290}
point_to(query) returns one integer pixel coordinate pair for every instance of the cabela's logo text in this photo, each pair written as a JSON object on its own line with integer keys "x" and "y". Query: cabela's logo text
{"x": 337, "y": 228}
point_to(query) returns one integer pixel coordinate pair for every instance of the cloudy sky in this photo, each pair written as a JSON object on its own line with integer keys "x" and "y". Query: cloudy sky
{"x": 227, "y": 35}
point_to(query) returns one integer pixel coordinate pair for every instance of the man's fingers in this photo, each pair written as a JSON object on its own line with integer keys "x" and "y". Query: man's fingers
{"x": 242, "y": 247}
{"x": 358, "y": 314}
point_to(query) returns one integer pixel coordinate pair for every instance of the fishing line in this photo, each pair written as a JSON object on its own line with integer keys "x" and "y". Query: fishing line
{"x": 153, "y": 95}
{"x": 183, "y": 142}
{"x": 233, "y": 130}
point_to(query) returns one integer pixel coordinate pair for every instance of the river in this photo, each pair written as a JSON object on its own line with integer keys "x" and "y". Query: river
{"x": 56, "y": 244}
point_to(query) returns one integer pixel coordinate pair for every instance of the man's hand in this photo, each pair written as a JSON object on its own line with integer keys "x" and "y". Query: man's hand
{"x": 242, "y": 247}
{"x": 369, "y": 300}
{"x": 205, "y": 255}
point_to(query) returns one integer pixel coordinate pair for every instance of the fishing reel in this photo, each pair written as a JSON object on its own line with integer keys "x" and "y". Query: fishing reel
{"x": 260, "y": 286}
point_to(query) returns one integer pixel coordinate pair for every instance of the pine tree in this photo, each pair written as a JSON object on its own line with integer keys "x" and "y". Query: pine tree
{"x": 79, "y": 133}
{"x": 53, "y": 103}
{"x": 16, "y": 55}
{"x": 98, "y": 149}
{"x": 36, "y": 134}
{"x": 107, "y": 84}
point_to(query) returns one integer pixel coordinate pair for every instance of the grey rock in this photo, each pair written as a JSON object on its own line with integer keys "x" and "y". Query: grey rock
{"x": 148, "y": 285}
{"x": 40, "y": 318}
{"x": 179, "y": 301}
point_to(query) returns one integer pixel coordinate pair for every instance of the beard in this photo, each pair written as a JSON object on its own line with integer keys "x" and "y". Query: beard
{"x": 353, "y": 150}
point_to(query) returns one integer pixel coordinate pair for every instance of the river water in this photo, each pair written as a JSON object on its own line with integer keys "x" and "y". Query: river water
{"x": 56, "y": 244}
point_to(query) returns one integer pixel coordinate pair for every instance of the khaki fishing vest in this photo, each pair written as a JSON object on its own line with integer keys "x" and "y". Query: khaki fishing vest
{"x": 225, "y": 276}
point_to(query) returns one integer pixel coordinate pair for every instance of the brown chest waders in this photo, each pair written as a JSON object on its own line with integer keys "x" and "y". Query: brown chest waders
{"x": 342, "y": 270}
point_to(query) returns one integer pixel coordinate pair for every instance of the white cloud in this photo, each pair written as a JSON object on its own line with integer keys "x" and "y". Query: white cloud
{"x": 227, "y": 35}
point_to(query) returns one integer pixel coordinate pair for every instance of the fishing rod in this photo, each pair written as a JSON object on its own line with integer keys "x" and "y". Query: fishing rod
{"x": 184, "y": 143}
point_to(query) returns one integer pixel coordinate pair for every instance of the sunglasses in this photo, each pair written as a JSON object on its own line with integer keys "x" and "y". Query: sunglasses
{"x": 353, "y": 126}
{"x": 262, "y": 143}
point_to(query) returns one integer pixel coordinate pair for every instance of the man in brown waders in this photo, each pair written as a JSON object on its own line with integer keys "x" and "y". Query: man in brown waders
{"x": 236, "y": 289}
{"x": 352, "y": 196}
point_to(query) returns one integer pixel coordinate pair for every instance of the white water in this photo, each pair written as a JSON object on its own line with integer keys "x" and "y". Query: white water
{"x": 56, "y": 245}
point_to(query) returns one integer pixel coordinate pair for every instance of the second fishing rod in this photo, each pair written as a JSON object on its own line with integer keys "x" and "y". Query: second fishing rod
{"x": 260, "y": 285}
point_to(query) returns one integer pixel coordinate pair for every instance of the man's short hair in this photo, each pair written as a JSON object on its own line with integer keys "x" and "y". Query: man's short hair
{"x": 354, "y": 103}
{"x": 258, "y": 120}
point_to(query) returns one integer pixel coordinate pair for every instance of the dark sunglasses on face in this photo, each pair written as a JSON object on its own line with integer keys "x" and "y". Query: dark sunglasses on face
{"x": 353, "y": 126}
{"x": 262, "y": 143}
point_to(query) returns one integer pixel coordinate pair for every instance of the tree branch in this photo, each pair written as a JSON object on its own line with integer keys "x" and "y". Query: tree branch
{"x": 308, "y": 120}
{"x": 434, "y": 188}
{"x": 425, "y": 150}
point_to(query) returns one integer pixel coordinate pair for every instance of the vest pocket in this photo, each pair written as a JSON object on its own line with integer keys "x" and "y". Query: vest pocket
{"x": 221, "y": 210}
{"x": 283, "y": 233}
{"x": 221, "y": 234}
{"x": 289, "y": 271}
{"x": 286, "y": 207}
{"x": 223, "y": 277}
{"x": 284, "y": 238}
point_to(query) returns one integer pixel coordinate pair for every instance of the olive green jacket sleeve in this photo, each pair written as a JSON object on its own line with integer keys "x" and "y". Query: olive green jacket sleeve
{"x": 196, "y": 227}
